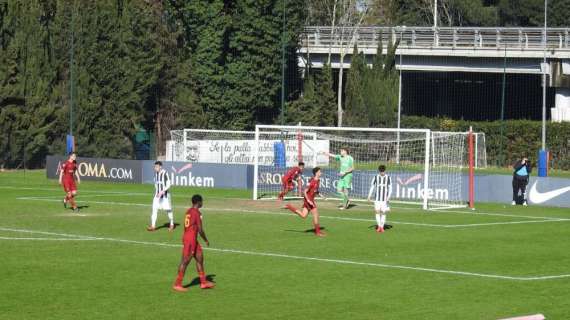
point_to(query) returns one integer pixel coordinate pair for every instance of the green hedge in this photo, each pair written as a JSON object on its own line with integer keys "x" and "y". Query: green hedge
{"x": 508, "y": 140}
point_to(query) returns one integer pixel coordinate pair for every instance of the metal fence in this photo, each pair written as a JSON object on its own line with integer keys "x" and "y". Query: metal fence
{"x": 428, "y": 37}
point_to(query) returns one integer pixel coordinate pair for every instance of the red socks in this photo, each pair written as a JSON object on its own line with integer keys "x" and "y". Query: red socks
{"x": 179, "y": 278}
{"x": 202, "y": 276}
{"x": 72, "y": 201}
{"x": 317, "y": 229}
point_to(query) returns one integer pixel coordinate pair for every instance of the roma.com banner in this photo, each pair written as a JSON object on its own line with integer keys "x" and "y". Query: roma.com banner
{"x": 242, "y": 151}
{"x": 407, "y": 186}
{"x": 204, "y": 175}
{"x": 99, "y": 169}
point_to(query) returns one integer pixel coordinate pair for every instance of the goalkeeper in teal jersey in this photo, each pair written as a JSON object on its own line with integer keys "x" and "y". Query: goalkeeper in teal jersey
{"x": 345, "y": 181}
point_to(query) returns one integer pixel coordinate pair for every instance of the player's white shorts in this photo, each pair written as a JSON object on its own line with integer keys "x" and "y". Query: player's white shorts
{"x": 381, "y": 206}
{"x": 162, "y": 203}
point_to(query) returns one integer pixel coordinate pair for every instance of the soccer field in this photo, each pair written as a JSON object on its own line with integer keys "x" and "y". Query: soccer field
{"x": 498, "y": 262}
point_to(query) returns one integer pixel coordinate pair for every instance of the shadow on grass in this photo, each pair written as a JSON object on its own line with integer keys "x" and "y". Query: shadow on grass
{"x": 386, "y": 227}
{"x": 196, "y": 281}
{"x": 78, "y": 207}
{"x": 166, "y": 225}
{"x": 305, "y": 231}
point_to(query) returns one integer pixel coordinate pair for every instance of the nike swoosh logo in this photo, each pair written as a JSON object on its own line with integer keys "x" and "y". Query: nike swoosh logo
{"x": 410, "y": 180}
{"x": 186, "y": 167}
{"x": 540, "y": 197}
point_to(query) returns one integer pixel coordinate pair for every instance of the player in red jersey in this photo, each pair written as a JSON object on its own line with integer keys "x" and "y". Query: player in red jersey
{"x": 309, "y": 204}
{"x": 291, "y": 175}
{"x": 67, "y": 175}
{"x": 192, "y": 248}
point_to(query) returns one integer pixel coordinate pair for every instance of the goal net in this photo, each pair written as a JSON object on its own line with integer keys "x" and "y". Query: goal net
{"x": 426, "y": 167}
{"x": 480, "y": 148}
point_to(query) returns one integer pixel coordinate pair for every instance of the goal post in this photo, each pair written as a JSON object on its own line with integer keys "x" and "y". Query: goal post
{"x": 426, "y": 167}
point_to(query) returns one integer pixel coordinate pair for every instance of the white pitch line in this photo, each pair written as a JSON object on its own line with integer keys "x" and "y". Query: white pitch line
{"x": 471, "y": 213}
{"x": 397, "y": 222}
{"x": 286, "y": 256}
{"x": 82, "y": 191}
{"x": 42, "y": 232}
{"x": 400, "y": 208}
{"x": 322, "y": 216}
{"x": 449, "y": 226}
{"x": 257, "y": 212}
{"x": 242, "y": 211}
{"x": 97, "y": 202}
{"x": 361, "y": 204}
{"x": 47, "y": 239}
{"x": 497, "y": 214}
{"x": 506, "y": 223}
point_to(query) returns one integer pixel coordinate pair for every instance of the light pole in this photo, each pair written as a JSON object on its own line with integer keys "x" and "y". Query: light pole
{"x": 71, "y": 63}
{"x": 283, "y": 65}
{"x": 544, "y": 77}
{"x": 400, "y": 96}
{"x": 435, "y": 14}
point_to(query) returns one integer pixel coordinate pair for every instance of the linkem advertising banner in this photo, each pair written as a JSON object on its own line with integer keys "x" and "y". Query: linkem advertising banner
{"x": 205, "y": 175}
{"x": 99, "y": 169}
{"x": 407, "y": 186}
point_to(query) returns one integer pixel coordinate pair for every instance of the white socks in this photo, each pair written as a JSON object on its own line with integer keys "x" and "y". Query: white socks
{"x": 170, "y": 217}
{"x": 153, "y": 218}
{"x": 380, "y": 219}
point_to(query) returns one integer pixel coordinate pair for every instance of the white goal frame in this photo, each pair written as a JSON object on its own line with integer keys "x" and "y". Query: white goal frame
{"x": 260, "y": 129}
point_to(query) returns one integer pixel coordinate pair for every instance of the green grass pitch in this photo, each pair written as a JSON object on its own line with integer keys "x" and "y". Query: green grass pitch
{"x": 500, "y": 261}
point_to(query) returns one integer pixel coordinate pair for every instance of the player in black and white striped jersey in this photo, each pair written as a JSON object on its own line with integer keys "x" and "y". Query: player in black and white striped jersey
{"x": 382, "y": 183}
{"x": 161, "y": 199}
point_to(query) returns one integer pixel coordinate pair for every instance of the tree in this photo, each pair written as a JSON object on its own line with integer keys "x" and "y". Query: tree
{"x": 530, "y": 13}
{"x": 27, "y": 72}
{"x": 451, "y": 13}
{"x": 236, "y": 49}
{"x": 326, "y": 97}
{"x": 306, "y": 109}
{"x": 381, "y": 87}
{"x": 316, "y": 107}
{"x": 205, "y": 25}
{"x": 355, "y": 108}
{"x": 155, "y": 65}
{"x": 351, "y": 14}
{"x": 558, "y": 12}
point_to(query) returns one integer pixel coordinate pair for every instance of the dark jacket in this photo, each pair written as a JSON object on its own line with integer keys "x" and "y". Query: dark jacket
{"x": 517, "y": 166}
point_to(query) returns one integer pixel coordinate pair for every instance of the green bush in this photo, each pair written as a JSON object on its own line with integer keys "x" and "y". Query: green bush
{"x": 508, "y": 140}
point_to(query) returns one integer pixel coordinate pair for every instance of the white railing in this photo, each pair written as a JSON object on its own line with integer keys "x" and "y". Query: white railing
{"x": 447, "y": 38}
